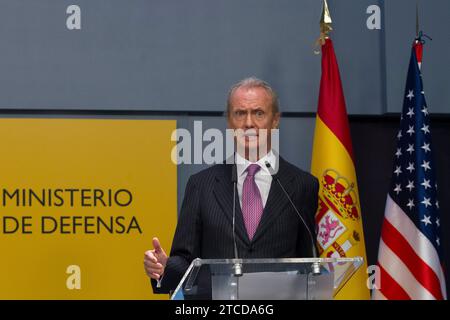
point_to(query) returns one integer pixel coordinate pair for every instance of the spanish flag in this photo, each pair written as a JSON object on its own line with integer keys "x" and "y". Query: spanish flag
{"x": 338, "y": 218}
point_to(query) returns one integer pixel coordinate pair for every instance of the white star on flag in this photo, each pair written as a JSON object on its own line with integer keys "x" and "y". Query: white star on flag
{"x": 411, "y": 167}
{"x": 410, "y": 130}
{"x": 438, "y": 241}
{"x": 437, "y": 204}
{"x": 425, "y": 129}
{"x": 410, "y": 148}
{"x": 399, "y": 152}
{"x": 426, "y": 202}
{"x": 410, "y": 204}
{"x": 426, "y": 220}
{"x": 425, "y": 111}
{"x": 410, "y": 95}
{"x": 399, "y": 135}
{"x": 410, "y": 185}
{"x": 398, "y": 188}
{"x": 426, "y": 184}
{"x": 438, "y": 223}
{"x": 410, "y": 112}
{"x": 426, "y": 165}
{"x": 426, "y": 147}
{"x": 398, "y": 170}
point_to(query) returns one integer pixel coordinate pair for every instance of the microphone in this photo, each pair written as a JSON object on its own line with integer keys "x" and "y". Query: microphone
{"x": 316, "y": 265}
{"x": 237, "y": 266}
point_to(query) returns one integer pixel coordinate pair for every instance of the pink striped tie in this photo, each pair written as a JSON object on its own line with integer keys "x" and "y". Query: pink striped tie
{"x": 252, "y": 206}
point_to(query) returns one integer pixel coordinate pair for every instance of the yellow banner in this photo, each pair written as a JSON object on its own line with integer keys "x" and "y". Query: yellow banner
{"x": 340, "y": 230}
{"x": 80, "y": 201}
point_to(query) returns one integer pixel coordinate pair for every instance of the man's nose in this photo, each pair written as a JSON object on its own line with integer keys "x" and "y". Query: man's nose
{"x": 249, "y": 123}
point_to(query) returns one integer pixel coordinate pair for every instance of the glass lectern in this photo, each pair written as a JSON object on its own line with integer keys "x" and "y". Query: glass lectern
{"x": 266, "y": 279}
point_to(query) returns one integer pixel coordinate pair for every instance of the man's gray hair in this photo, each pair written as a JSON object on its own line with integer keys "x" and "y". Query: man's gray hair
{"x": 253, "y": 82}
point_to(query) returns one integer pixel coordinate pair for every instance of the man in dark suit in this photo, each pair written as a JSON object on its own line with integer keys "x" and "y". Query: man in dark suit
{"x": 267, "y": 225}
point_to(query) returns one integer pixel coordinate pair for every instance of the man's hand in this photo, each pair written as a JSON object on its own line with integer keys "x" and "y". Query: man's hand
{"x": 155, "y": 261}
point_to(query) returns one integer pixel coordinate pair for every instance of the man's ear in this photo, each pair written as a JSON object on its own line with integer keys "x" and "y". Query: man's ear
{"x": 276, "y": 121}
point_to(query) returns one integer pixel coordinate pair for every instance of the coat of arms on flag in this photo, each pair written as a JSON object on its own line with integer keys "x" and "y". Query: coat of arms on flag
{"x": 337, "y": 203}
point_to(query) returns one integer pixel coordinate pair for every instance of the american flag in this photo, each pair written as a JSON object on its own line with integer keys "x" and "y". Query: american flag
{"x": 410, "y": 251}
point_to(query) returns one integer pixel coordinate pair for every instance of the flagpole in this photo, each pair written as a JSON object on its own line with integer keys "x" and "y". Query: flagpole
{"x": 417, "y": 21}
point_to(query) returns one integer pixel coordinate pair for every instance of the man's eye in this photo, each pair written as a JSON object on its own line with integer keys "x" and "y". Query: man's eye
{"x": 240, "y": 113}
{"x": 259, "y": 113}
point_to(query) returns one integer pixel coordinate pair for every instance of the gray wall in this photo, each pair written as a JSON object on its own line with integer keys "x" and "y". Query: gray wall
{"x": 399, "y": 22}
{"x": 183, "y": 55}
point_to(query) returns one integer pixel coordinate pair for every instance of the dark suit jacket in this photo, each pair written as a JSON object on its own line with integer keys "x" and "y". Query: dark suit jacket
{"x": 204, "y": 228}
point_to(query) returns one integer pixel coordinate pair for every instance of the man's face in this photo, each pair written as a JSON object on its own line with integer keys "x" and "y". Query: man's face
{"x": 251, "y": 111}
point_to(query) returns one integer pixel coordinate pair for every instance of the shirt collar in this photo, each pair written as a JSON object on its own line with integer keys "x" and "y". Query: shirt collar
{"x": 242, "y": 163}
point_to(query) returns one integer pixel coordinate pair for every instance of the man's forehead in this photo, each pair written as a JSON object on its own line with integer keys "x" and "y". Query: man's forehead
{"x": 250, "y": 93}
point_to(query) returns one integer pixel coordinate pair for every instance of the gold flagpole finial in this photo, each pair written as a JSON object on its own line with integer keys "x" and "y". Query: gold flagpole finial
{"x": 326, "y": 17}
{"x": 325, "y": 25}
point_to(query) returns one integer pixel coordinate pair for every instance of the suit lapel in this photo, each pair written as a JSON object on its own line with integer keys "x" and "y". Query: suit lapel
{"x": 277, "y": 200}
{"x": 223, "y": 191}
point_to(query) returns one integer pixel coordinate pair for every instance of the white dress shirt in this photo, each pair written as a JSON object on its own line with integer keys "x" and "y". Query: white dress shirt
{"x": 263, "y": 178}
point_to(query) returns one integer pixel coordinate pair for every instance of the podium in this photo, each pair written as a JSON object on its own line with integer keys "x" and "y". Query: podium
{"x": 266, "y": 279}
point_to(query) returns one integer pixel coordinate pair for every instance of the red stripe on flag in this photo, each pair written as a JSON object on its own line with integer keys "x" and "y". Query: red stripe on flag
{"x": 420, "y": 270}
{"x": 390, "y": 288}
{"x": 331, "y": 109}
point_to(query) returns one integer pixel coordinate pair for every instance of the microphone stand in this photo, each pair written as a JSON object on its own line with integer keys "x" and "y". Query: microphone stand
{"x": 315, "y": 265}
{"x": 237, "y": 267}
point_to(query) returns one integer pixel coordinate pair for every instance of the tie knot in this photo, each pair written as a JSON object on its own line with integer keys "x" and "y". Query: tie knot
{"x": 252, "y": 169}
